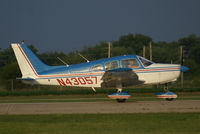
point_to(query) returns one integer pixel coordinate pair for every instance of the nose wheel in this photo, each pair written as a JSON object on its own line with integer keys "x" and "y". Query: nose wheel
{"x": 167, "y": 95}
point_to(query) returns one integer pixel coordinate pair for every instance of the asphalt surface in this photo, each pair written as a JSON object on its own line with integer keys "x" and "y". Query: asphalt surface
{"x": 101, "y": 107}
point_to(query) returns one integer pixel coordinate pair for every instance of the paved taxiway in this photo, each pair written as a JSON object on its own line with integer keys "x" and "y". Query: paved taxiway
{"x": 100, "y": 107}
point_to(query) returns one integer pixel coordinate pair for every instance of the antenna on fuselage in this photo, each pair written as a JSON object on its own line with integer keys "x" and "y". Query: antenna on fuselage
{"x": 63, "y": 61}
{"x": 83, "y": 57}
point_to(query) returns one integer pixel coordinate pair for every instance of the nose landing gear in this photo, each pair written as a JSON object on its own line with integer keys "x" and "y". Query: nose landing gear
{"x": 167, "y": 95}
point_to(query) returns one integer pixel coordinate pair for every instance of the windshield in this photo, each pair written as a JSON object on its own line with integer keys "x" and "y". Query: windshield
{"x": 145, "y": 62}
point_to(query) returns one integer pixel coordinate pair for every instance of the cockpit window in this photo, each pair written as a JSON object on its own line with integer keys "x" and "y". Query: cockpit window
{"x": 111, "y": 65}
{"x": 96, "y": 68}
{"x": 145, "y": 62}
{"x": 130, "y": 63}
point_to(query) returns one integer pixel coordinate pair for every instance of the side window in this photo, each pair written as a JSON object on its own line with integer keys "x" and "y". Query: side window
{"x": 111, "y": 65}
{"x": 96, "y": 68}
{"x": 130, "y": 63}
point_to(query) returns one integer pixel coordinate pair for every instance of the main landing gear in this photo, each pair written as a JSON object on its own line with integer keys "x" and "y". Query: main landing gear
{"x": 169, "y": 96}
{"x": 123, "y": 96}
{"x": 120, "y": 96}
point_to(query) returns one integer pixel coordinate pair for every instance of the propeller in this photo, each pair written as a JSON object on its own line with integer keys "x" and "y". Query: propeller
{"x": 184, "y": 68}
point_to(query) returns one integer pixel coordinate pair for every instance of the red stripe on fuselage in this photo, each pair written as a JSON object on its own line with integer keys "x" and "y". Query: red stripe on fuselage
{"x": 157, "y": 69}
{"x": 64, "y": 75}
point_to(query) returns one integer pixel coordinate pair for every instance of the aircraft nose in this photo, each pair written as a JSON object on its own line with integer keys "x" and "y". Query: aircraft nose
{"x": 184, "y": 68}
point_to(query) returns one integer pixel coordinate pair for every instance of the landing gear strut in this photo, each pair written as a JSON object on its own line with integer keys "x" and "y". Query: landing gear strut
{"x": 119, "y": 90}
{"x": 166, "y": 88}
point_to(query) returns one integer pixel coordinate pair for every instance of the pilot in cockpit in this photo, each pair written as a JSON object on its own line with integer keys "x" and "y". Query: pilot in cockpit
{"x": 130, "y": 64}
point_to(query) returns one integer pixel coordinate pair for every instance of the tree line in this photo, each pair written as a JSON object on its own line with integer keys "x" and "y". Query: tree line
{"x": 163, "y": 52}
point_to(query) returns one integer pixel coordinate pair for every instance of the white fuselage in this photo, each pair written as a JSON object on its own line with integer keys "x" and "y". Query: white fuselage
{"x": 153, "y": 74}
{"x": 159, "y": 73}
{"x": 108, "y": 72}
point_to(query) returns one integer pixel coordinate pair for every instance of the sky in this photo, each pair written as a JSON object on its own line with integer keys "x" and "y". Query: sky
{"x": 69, "y": 25}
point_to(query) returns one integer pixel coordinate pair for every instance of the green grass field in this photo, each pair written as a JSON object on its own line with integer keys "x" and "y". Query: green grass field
{"x": 92, "y": 98}
{"x": 149, "y": 123}
{"x": 85, "y": 91}
{"x": 158, "y": 123}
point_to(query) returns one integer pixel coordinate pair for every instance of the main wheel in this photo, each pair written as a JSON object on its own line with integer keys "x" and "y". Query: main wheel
{"x": 121, "y": 100}
{"x": 169, "y": 99}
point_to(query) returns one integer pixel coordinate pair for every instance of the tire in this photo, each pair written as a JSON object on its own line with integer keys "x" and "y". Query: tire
{"x": 169, "y": 99}
{"x": 121, "y": 100}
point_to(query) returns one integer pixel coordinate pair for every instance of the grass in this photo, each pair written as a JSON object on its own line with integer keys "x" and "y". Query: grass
{"x": 158, "y": 123}
{"x": 85, "y": 91}
{"x": 92, "y": 98}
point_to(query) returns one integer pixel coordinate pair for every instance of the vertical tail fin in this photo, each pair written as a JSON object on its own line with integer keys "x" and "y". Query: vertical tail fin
{"x": 29, "y": 64}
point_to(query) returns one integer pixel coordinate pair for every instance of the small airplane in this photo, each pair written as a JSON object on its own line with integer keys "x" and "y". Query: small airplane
{"x": 115, "y": 72}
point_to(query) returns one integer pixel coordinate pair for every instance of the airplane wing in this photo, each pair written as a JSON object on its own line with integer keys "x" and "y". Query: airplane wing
{"x": 27, "y": 79}
{"x": 120, "y": 76}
